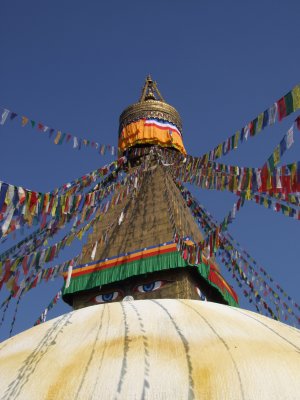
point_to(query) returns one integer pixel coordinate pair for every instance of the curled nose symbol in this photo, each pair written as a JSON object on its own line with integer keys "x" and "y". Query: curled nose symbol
{"x": 128, "y": 298}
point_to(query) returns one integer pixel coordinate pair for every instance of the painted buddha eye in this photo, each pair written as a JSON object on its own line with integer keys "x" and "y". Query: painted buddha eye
{"x": 106, "y": 297}
{"x": 149, "y": 287}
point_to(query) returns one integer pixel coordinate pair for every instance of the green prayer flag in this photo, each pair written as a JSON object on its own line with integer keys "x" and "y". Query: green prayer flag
{"x": 271, "y": 163}
{"x": 254, "y": 126}
{"x": 289, "y": 103}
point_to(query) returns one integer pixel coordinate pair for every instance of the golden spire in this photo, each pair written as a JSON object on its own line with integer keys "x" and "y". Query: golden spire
{"x": 149, "y": 90}
{"x": 150, "y": 105}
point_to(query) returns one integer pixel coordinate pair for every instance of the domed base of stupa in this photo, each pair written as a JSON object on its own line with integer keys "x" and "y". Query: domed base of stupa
{"x": 153, "y": 349}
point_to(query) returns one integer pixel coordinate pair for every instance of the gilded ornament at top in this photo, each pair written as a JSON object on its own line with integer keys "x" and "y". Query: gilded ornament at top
{"x": 150, "y": 107}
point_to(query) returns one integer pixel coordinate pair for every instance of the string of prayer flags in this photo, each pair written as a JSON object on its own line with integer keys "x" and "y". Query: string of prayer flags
{"x": 43, "y": 316}
{"x": 280, "y": 109}
{"x": 37, "y": 259}
{"x": 285, "y": 144}
{"x": 241, "y": 180}
{"x": 269, "y": 203}
{"x": 19, "y": 206}
{"x": 206, "y": 219}
{"x": 244, "y": 280}
{"x": 264, "y": 272}
{"x": 39, "y": 237}
{"x": 258, "y": 285}
{"x": 59, "y": 136}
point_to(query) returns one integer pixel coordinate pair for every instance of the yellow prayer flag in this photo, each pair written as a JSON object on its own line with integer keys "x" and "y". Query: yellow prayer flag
{"x": 276, "y": 155}
{"x": 296, "y": 97}
{"x": 15, "y": 264}
{"x": 70, "y": 240}
{"x": 260, "y": 119}
{"x": 80, "y": 234}
{"x": 236, "y": 139}
{"x": 269, "y": 181}
{"x": 24, "y": 121}
{"x": 293, "y": 170}
{"x": 218, "y": 151}
{"x": 10, "y": 283}
{"x": 235, "y": 183}
{"x": 56, "y": 140}
{"x": 54, "y": 207}
{"x": 223, "y": 182}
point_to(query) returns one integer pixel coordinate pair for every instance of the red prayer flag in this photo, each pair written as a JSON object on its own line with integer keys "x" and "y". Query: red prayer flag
{"x": 24, "y": 265}
{"x": 281, "y": 108}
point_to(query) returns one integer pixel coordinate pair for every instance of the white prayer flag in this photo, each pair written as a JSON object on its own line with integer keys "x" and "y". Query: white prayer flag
{"x": 258, "y": 178}
{"x": 70, "y": 270}
{"x": 8, "y": 219}
{"x": 290, "y": 137}
{"x": 278, "y": 181}
{"x": 94, "y": 251}
{"x": 4, "y": 116}
{"x": 121, "y": 218}
{"x": 75, "y": 142}
{"x": 272, "y": 114}
{"x": 246, "y": 132}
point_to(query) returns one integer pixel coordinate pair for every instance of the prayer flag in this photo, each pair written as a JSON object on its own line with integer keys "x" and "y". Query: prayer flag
{"x": 296, "y": 97}
{"x": 236, "y": 140}
{"x": 282, "y": 146}
{"x": 290, "y": 137}
{"x": 242, "y": 135}
{"x": 265, "y": 119}
{"x": 281, "y": 108}
{"x": 247, "y": 131}
{"x": 94, "y": 251}
{"x": 276, "y": 155}
{"x": 61, "y": 138}
{"x": 4, "y": 116}
{"x": 272, "y": 114}
{"x": 13, "y": 115}
{"x": 288, "y": 98}
{"x": 58, "y": 135}
{"x": 24, "y": 121}
{"x": 75, "y": 142}
{"x": 259, "y": 122}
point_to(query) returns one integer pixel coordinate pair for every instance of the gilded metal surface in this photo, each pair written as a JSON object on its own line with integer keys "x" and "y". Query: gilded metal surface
{"x": 150, "y": 109}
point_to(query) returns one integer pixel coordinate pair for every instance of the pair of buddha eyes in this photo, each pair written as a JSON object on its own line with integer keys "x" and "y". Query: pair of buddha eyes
{"x": 145, "y": 288}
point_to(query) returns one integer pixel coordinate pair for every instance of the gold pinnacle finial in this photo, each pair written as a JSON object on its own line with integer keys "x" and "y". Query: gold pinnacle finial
{"x": 150, "y": 91}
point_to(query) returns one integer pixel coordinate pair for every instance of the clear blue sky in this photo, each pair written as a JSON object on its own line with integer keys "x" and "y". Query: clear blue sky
{"x": 76, "y": 65}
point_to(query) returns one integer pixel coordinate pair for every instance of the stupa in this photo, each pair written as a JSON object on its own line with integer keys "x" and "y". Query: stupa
{"x": 148, "y": 322}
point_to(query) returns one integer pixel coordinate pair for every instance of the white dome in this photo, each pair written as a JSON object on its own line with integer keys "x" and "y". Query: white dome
{"x": 162, "y": 349}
